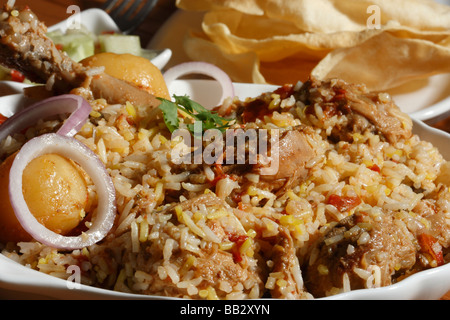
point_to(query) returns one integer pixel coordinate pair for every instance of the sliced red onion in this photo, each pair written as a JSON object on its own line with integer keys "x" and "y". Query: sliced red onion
{"x": 88, "y": 160}
{"x": 78, "y": 107}
{"x": 203, "y": 68}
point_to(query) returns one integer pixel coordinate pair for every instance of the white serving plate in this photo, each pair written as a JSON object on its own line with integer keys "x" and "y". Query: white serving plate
{"x": 98, "y": 21}
{"x": 426, "y": 100}
{"x": 17, "y": 281}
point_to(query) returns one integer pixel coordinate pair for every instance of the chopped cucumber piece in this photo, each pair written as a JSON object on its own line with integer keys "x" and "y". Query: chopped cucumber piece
{"x": 81, "y": 43}
{"x": 77, "y": 45}
{"x": 120, "y": 44}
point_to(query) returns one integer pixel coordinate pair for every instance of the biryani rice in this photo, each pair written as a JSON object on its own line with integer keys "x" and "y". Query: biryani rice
{"x": 156, "y": 248}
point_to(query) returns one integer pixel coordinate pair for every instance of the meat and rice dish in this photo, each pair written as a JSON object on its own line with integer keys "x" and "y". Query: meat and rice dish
{"x": 358, "y": 201}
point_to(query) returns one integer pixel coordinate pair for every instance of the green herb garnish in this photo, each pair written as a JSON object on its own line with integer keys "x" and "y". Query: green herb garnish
{"x": 209, "y": 119}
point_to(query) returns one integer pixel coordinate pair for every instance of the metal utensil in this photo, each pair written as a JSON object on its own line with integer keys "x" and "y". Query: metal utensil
{"x": 128, "y": 14}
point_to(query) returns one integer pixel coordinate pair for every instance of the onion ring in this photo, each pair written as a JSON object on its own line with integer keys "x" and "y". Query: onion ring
{"x": 68, "y": 103}
{"x": 88, "y": 160}
{"x": 205, "y": 69}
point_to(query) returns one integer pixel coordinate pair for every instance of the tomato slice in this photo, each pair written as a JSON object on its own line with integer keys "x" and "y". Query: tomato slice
{"x": 430, "y": 245}
{"x": 239, "y": 241}
{"x": 17, "y": 76}
{"x": 343, "y": 204}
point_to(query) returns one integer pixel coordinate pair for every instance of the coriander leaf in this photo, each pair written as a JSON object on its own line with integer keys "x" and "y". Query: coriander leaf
{"x": 190, "y": 105}
{"x": 170, "y": 113}
{"x": 209, "y": 119}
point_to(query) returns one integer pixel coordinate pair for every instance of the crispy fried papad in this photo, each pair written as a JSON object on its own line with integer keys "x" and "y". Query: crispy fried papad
{"x": 282, "y": 41}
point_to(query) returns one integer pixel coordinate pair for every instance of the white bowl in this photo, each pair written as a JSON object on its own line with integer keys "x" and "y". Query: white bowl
{"x": 98, "y": 21}
{"x": 17, "y": 281}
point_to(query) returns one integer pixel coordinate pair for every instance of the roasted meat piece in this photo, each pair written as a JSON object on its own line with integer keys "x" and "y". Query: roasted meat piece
{"x": 364, "y": 110}
{"x": 294, "y": 153}
{"x": 367, "y": 251}
{"x": 25, "y": 47}
{"x": 286, "y": 266}
{"x": 291, "y": 159}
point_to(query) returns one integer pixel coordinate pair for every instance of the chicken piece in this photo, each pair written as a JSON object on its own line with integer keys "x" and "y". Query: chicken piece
{"x": 434, "y": 210}
{"x": 216, "y": 265}
{"x": 218, "y": 268}
{"x": 25, "y": 47}
{"x": 290, "y": 167}
{"x": 370, "y": 252}
{"x": 285, "y": 262}
{"x": 117, "y": 91}
{"x": 365, "y": 110}
{"x": 294, "y": 153}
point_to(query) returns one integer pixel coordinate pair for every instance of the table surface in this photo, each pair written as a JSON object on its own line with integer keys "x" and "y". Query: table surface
{"x": 54, "y": 11}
